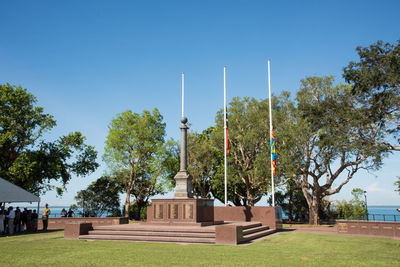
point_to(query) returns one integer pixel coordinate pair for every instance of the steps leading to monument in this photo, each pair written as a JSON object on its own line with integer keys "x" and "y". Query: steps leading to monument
{"x": 251, "y": 225}
{"x": 256, "y": 229}
{"x": 175, "y": 234}
{"x": 154, "y": 233}
{"x": 157, "y": 228}
{"x": 256, "y": 232}
{"x": 150, "y": 238}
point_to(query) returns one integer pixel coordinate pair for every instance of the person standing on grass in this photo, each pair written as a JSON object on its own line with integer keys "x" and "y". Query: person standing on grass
{"x": 17, "y": 220}
{"x": 24, "y": 215}
{"x": 34, "y": 221}
{"x": 2, "y": 217}
{"x": 29, "y": 221}
{"x": 10, "y": 217}
{"x": 45, "y": 217}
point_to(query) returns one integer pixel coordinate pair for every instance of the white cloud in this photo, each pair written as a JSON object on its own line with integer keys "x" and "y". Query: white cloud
{"x": 375, "y": 188}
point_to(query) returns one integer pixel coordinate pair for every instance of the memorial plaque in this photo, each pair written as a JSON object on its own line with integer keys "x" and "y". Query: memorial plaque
{"x": 172, "y": 211}
{"x": 158, "y": 211}
{"x": 187, "y": 211}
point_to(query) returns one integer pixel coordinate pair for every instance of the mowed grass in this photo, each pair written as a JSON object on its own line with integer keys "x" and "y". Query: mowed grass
{"x": 284, "y": 249}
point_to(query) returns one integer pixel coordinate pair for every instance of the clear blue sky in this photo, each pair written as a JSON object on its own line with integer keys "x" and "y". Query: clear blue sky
{"x": 86, "y": 61}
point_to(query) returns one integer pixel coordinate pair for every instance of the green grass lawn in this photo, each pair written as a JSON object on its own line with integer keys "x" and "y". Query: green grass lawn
{"x": 285, "y": 249}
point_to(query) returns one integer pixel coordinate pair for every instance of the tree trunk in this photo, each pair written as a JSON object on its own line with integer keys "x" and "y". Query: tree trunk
{"x": 314, "y": 209}
{"x": 313, "y": 213}
{"x": 127, "y": 203}
{"x": 138, "y": 211}
{"x": 290, "y": 208}
{"x": 313, "y": 199}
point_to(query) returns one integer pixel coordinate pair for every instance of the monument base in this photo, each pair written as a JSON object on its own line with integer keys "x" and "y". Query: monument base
{"x": 181, "y": 211}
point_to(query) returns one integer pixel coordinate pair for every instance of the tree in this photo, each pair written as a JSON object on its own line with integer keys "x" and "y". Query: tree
{"x": 355, "y": 209}
{"x": 375, "y": 81}
{"x": 203, "y": 161}
{"x": 292, "y": 201}
{"x": 249, "y": 171}
{"x": 325, "y": 139}
{"x": 135, "y": 152}
{"x": 26, "y": 159}
{"x": 101, "y": 196}
{"x": 397, "y": 183}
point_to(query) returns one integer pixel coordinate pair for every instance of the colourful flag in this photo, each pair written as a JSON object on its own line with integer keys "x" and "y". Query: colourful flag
{"x": 273, "y": 151}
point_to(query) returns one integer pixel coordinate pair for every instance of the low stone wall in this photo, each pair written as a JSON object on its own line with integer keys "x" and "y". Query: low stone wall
{"x": 265, "y": 215}
{"x": 373, "y": 228}
{"x": 74, "y": 230}
{"x": 228, "y": 234}
{"x": 59, "y": 223}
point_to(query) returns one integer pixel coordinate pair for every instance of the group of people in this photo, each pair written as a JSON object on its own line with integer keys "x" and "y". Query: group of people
{"x": 14, "y": 221}
{"x": 64, "y": 213}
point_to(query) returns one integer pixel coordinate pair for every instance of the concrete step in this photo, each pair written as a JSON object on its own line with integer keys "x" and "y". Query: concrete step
{"x": 255, "y": 230}
{"x": 259, "y": 234}
{"x": 153, "y": 233}
{"x": 251, "y": 225}
{"x": 157, "y": 228}
{"x": 149, "y": 238}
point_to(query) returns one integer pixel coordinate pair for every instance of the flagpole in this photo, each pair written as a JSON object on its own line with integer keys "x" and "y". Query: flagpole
{"x": 270, "y": 133}
{"x": 225, "y": 175}
{"x": 183, "y": 94}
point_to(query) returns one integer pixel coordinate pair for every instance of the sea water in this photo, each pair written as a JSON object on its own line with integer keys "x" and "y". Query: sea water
{"x": 377, "y": 213}
{"x": 384, "y": 213}
{"x": 55, "y": 211}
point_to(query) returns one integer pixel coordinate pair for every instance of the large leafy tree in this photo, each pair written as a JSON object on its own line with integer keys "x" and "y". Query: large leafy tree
{"x": 324, "y": 140}
{"x": 375, "y": 81}
{"x": 292, "y": 201}
{"x": 203, "y": 160}
{"x": 136, "y": 153}
{"x": 249, "y": 171}
{"x": 26, "y": 158}
{"x": 355, "y": 209}
{"x": 101, "y": 196}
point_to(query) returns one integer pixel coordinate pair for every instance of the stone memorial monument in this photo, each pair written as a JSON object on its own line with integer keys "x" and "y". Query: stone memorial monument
{"x": 183, "y": 208}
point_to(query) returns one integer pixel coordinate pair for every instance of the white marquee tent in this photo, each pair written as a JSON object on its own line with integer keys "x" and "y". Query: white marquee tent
{"x": 12, "y": 193}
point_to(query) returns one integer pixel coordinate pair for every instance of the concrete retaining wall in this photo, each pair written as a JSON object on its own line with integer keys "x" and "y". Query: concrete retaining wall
{"x": 265, "y": 215}
{"x": 373, "y": 228}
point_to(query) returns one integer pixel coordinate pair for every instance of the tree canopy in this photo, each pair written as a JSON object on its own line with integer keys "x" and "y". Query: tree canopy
{"x": 375, "y": 81}
{"x": 203, "y": 160}
{"x": 325, "y": 139}
{"x": 137, "y": 156}
{"x": 26, "y": 159}
{"x": 101, "y": 196}
{"x": 249, "y": 175}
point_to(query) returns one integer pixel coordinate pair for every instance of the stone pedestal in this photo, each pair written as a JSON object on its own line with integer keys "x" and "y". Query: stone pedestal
{"x": 181, "y": 211}
{"x": 183, "y": 185}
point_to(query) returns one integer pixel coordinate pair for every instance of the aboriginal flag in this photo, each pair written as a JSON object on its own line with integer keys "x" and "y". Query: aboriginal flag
{"x": 273, "y": 152}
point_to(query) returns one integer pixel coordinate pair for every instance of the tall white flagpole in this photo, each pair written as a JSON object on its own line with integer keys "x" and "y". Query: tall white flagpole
{"x": 270, "y": 133}
{"x": 225, "y": 175}
{"x": 183, "y": 94}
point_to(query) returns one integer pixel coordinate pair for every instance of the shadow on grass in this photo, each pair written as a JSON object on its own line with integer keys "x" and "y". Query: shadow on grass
{"x": 30, "y": 233}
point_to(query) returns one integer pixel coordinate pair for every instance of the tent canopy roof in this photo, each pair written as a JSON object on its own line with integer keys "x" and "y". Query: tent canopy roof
{"x": 12, "y": 193}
